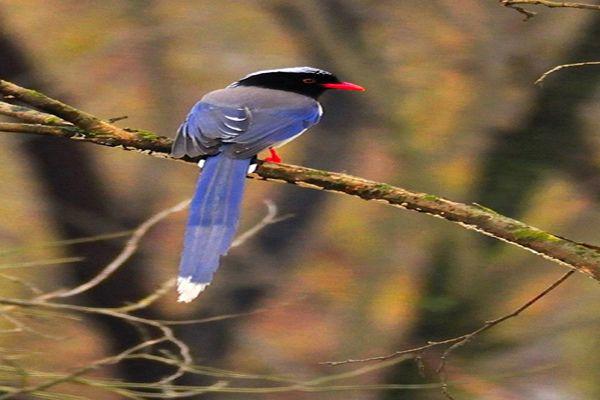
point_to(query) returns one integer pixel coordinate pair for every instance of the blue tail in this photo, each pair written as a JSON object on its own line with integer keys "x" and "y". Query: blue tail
{"x": 213, "y": 220}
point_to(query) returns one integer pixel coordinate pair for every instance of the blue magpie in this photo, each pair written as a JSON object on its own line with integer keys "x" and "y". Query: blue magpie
{"x": 227, "y": 128}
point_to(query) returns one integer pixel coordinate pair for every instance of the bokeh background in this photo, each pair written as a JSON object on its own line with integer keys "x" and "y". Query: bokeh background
{"x": 451, "y": 109}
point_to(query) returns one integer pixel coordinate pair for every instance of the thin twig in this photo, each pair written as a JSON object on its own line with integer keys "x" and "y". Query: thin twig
{"x": 441, "y": 370}
{"x": 129, "y": 249}
{"x": 171, "y": 391}
{"x": 27, "y": 285}
{"x": 269, "y": 219}
{"x": 514, "y": 4}
{"x": 29, "y": 115}
{"x": 77, "y": 117}
{"x": 528, "y": 14}
{"x": 559, "y": 67}
{"x": 551, "y": 4}
{"x": 167, "y": 332}
{"x": 81, "y": 371}
{"x": 22, "y": 327}
{"x": 157, "y": 146}
{"x": 116, "y": 119}
{"x": 150, "y": 299}
{"x": 223, "y": 317}
{"x": 415, "y": 350}
{"x": 41, "y": 263}
{"x": 459, "y": 340}
{"x": 86, "y": 239}
{"x": 142, "y": 391}
{"x": 184, "y": 364}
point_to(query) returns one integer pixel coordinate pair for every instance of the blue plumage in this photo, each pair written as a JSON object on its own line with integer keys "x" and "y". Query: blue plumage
{"x": 214, "y": 216}
{"x": 228, "y": 128}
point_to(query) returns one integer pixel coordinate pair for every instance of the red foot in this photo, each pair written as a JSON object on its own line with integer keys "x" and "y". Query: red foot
{"x": 274, "y": 156}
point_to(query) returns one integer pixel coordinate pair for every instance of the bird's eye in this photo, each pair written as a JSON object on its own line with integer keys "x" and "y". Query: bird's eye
{"x": 309, "y": 80}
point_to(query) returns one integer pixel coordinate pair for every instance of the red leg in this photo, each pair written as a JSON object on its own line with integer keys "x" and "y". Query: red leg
{"x": 274, "y": 156}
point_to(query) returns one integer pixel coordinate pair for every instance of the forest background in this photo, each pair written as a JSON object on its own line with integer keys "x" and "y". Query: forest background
{"x": 451, "y": 109}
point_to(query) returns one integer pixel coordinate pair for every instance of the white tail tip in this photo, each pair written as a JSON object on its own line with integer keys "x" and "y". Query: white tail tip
{"x": 189, "y": 290}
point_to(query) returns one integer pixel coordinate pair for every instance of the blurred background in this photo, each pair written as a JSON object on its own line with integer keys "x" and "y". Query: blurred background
{"x": 451, "y": 109}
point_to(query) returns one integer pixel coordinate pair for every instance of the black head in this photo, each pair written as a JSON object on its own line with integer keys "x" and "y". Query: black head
{"x": 307, "y": 81}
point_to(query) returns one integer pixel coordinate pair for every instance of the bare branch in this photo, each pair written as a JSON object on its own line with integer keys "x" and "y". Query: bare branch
{"x": 559, "y": 67}
{"x": 129, "y": 249}
{"x": 167, "y": 332}
{"x": 551, "y": 4}
{"x": 116, "y": 119}
{"x": 458, "y": 341}
{"x": 36, "y": 128}
{"x": 22, "y": 282}
{"x": 223, "y": 317}
{"x": 22, "y": 327}
{"x": 82, "y": 371}
{"x": 528, "y": 14}
{"x": 489, "y": 324}
{"x": 514, "y": 4}
{"x": 58, "y": 243}
{"x": 41, "y": 263}
{"x": 157, "y": 146}
{"x": 29, "y": 115}
{"x": 182, "y": 363}
{"x": 585, "y": 259}
{"x": 80, "y": 118}
{"x": 270, "y": 218}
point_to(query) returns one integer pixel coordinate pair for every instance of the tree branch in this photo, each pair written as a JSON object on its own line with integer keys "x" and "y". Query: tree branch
{"x": 29, "y": 115}
{"x": 441, "y": 370}
{"x": 559, "y": 67}
{"x": 528, "y": 14}
{"x": 456, "y": 342}
{"x": 579, "y": 256}
{"x": 77, "y": 117}
{"x": 514, "y": 4}
{"x": 552, "y": 4}
{"x": 129, "y": 249}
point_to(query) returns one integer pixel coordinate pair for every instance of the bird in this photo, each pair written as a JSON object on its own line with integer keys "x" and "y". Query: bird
{"x": 227, "y": 128}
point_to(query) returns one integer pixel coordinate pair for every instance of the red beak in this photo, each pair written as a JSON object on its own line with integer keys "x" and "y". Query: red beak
{"x": 343, "y": 86}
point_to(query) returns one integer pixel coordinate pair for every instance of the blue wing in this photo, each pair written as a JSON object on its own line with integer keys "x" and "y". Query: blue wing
{"x": 241, "y": 132}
